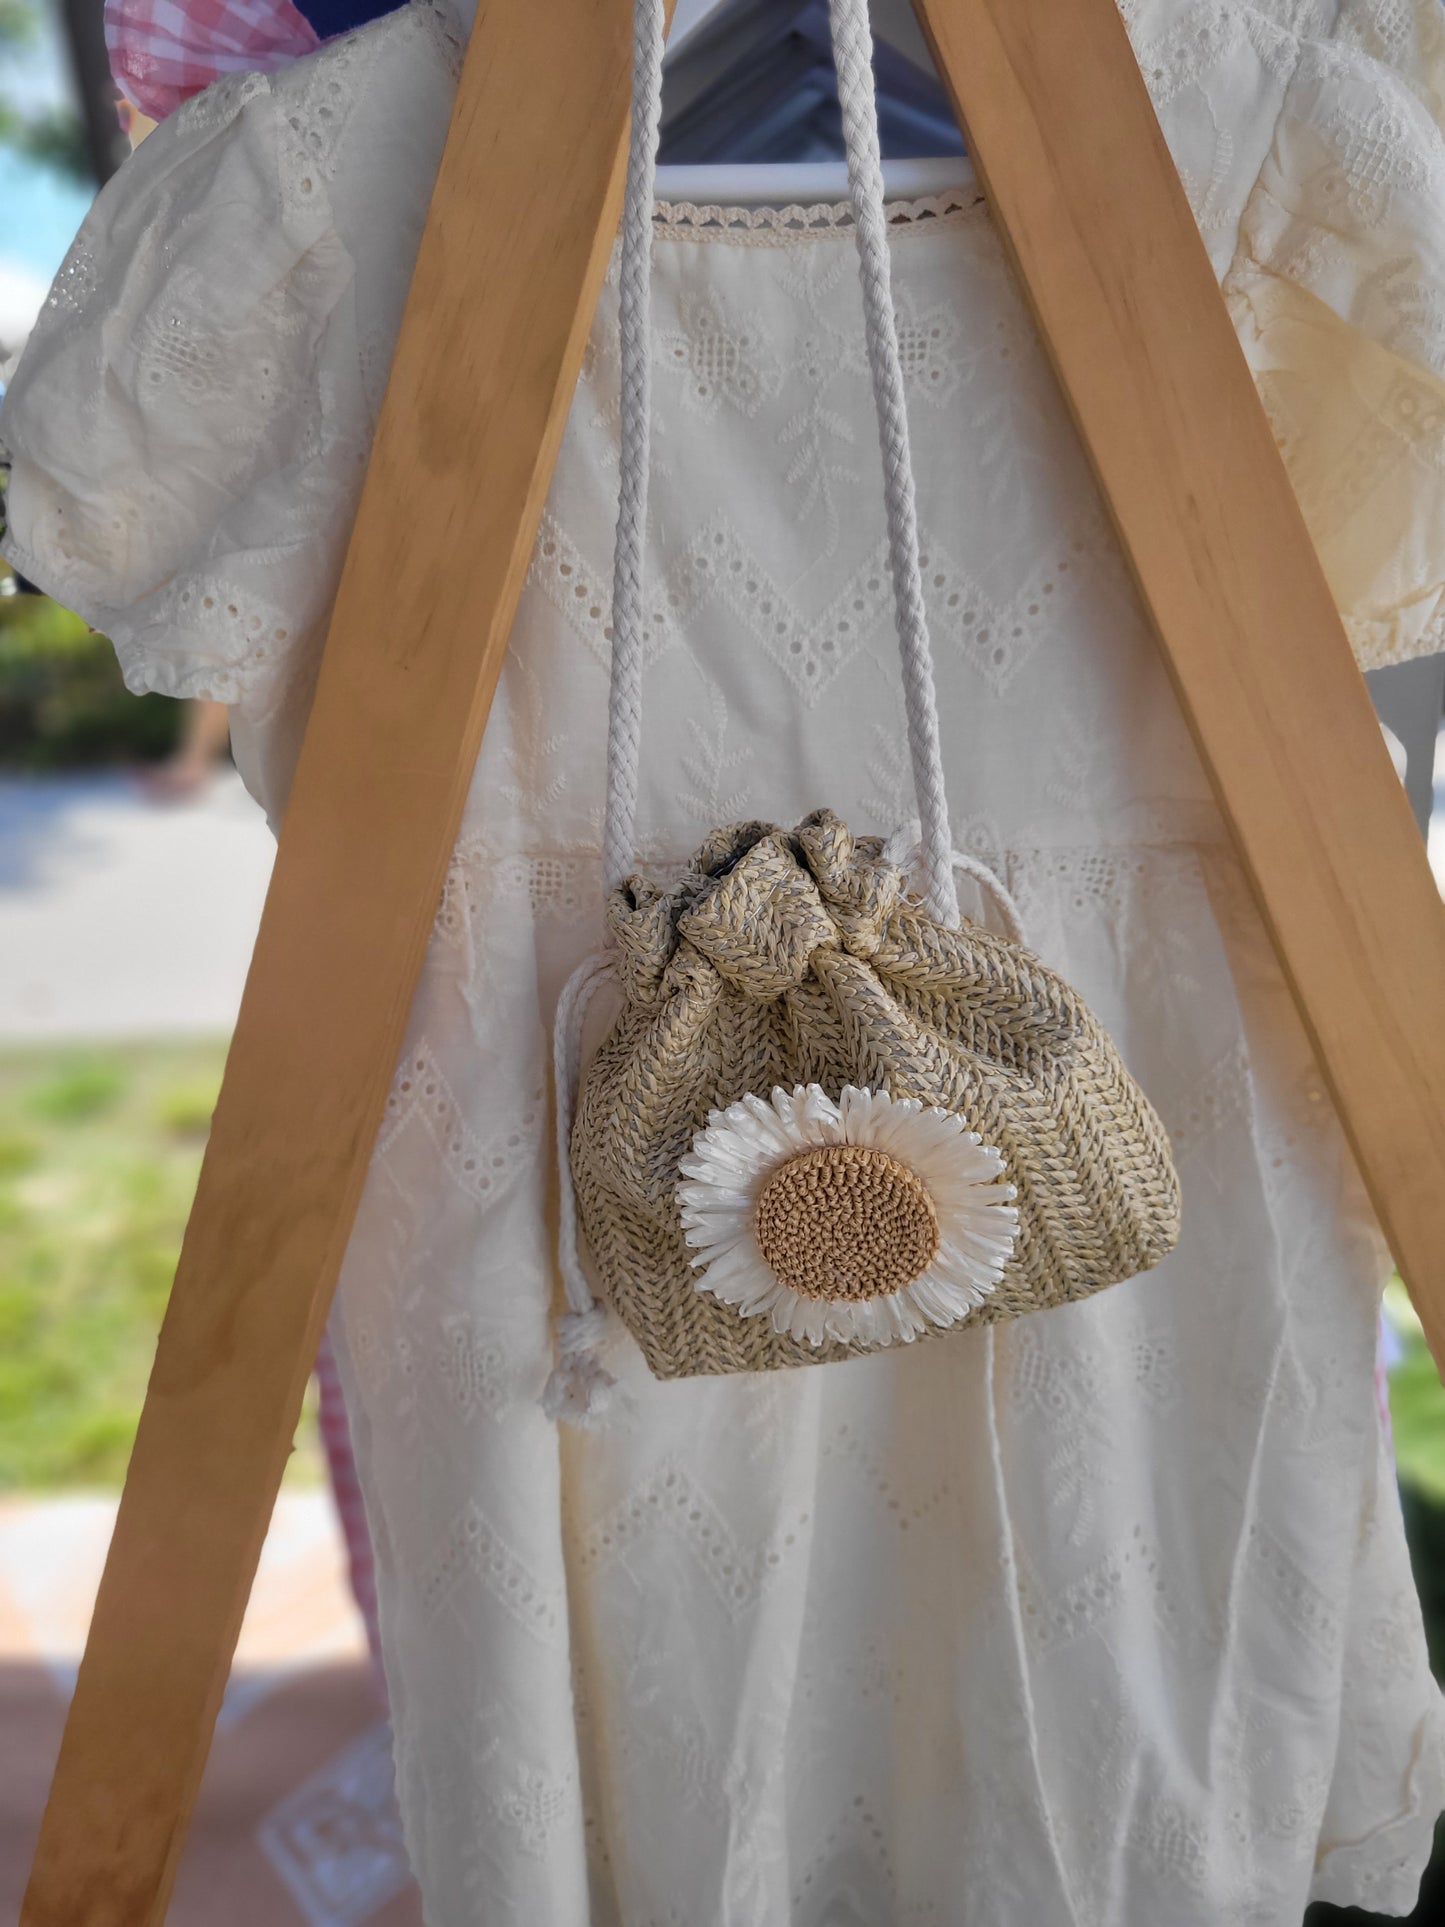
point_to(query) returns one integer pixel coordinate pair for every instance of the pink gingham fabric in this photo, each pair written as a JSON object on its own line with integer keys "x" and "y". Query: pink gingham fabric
{"x": 346, "y": 1490}
{"x": 163, "y": 51}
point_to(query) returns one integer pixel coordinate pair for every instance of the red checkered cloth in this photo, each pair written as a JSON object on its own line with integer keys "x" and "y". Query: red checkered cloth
{"x": 163, "y": 51}
{"x": 346, "y": 1490}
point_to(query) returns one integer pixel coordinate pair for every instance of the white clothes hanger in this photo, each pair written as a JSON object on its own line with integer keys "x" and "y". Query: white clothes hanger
{"x": 743, "y": 184}
{"x": 784, "y": 182}
{"x": 893, "y": 21}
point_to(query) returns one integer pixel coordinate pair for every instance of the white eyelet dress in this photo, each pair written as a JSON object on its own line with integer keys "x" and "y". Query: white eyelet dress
{"x": 1120, "y": 1633}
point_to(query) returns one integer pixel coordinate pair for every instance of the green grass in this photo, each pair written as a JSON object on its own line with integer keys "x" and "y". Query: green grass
{"x": 1417, "y": 1404}
{"x": 99, "y": 1153}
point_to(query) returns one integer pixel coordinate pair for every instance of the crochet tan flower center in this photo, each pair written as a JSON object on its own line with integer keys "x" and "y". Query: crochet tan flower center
{"x": 846, "y": 1221}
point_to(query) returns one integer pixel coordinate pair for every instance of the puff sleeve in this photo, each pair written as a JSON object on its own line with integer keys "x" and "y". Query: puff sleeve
{"x": 1337, "y": 290}
{"x": 189, "y": 423}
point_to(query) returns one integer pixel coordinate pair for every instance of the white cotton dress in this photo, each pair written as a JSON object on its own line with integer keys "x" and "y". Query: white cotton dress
{"x": 1104, "y": 1620}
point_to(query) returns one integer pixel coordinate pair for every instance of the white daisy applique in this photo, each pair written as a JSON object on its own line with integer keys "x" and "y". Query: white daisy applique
{"x": 865, "y": 1220}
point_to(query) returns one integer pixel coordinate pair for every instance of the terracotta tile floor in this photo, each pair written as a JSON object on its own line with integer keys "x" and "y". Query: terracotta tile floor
{"x": 296, "y": 1824}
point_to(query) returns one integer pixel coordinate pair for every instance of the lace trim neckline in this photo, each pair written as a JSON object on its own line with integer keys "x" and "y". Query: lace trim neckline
{"x": 692, "y": 221}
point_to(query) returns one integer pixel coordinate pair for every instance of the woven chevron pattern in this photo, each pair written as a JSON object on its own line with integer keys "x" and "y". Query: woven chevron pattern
{"x": 799, "y": 958}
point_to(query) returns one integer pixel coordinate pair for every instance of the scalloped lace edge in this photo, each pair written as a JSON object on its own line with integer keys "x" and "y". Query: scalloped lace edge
{"x": 797, "y": 220}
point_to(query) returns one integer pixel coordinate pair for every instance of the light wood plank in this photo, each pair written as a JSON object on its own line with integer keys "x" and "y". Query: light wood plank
{"x": 1086, "y": 195}
{"x": 514, "y": 252}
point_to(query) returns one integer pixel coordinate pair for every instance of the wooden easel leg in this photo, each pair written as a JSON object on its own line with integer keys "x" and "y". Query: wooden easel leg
{"x": 1087, "y": 198}
{"x": 514, "y": 252}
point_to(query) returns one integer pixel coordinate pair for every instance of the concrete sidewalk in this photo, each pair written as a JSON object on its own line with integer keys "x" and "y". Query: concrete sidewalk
{"x": 296, "y": 1824}
{"x": 125, "y": 917}
{"x": 121, "y": 916}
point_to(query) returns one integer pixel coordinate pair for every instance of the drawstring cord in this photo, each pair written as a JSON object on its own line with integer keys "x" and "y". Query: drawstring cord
{"x": 1010, "y": 1578}
{"x": 903, "y": 848}
{"x": 976, "y": 868}
{"x": 580, "y": 1389}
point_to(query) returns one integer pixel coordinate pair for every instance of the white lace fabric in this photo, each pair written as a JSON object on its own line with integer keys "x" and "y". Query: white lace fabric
{"x": 1307, "y": 131}
{"x": 828, "y": 1648}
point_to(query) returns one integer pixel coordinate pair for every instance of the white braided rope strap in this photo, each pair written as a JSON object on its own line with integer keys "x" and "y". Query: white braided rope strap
{"x": 853, "y": 55}
{"x": 624, "y": 704}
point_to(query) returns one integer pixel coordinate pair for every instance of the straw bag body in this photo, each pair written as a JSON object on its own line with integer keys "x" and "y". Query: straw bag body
{"x": 832, "y": 1116}
{"x": 793, "y": 960}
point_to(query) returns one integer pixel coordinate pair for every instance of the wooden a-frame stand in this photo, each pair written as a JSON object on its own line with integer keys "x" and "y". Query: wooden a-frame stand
{"x": 1083, "y": 189}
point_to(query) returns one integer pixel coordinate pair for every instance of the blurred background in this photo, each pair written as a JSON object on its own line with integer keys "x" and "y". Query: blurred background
{"x": 132, "y": 871}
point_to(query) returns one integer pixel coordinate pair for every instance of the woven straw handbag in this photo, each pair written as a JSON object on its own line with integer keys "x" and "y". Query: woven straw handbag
{"x": 832, "y": 1116}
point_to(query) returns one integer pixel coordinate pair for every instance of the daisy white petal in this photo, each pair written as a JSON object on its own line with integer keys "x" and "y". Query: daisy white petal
{"x": 897, "y": 1220}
